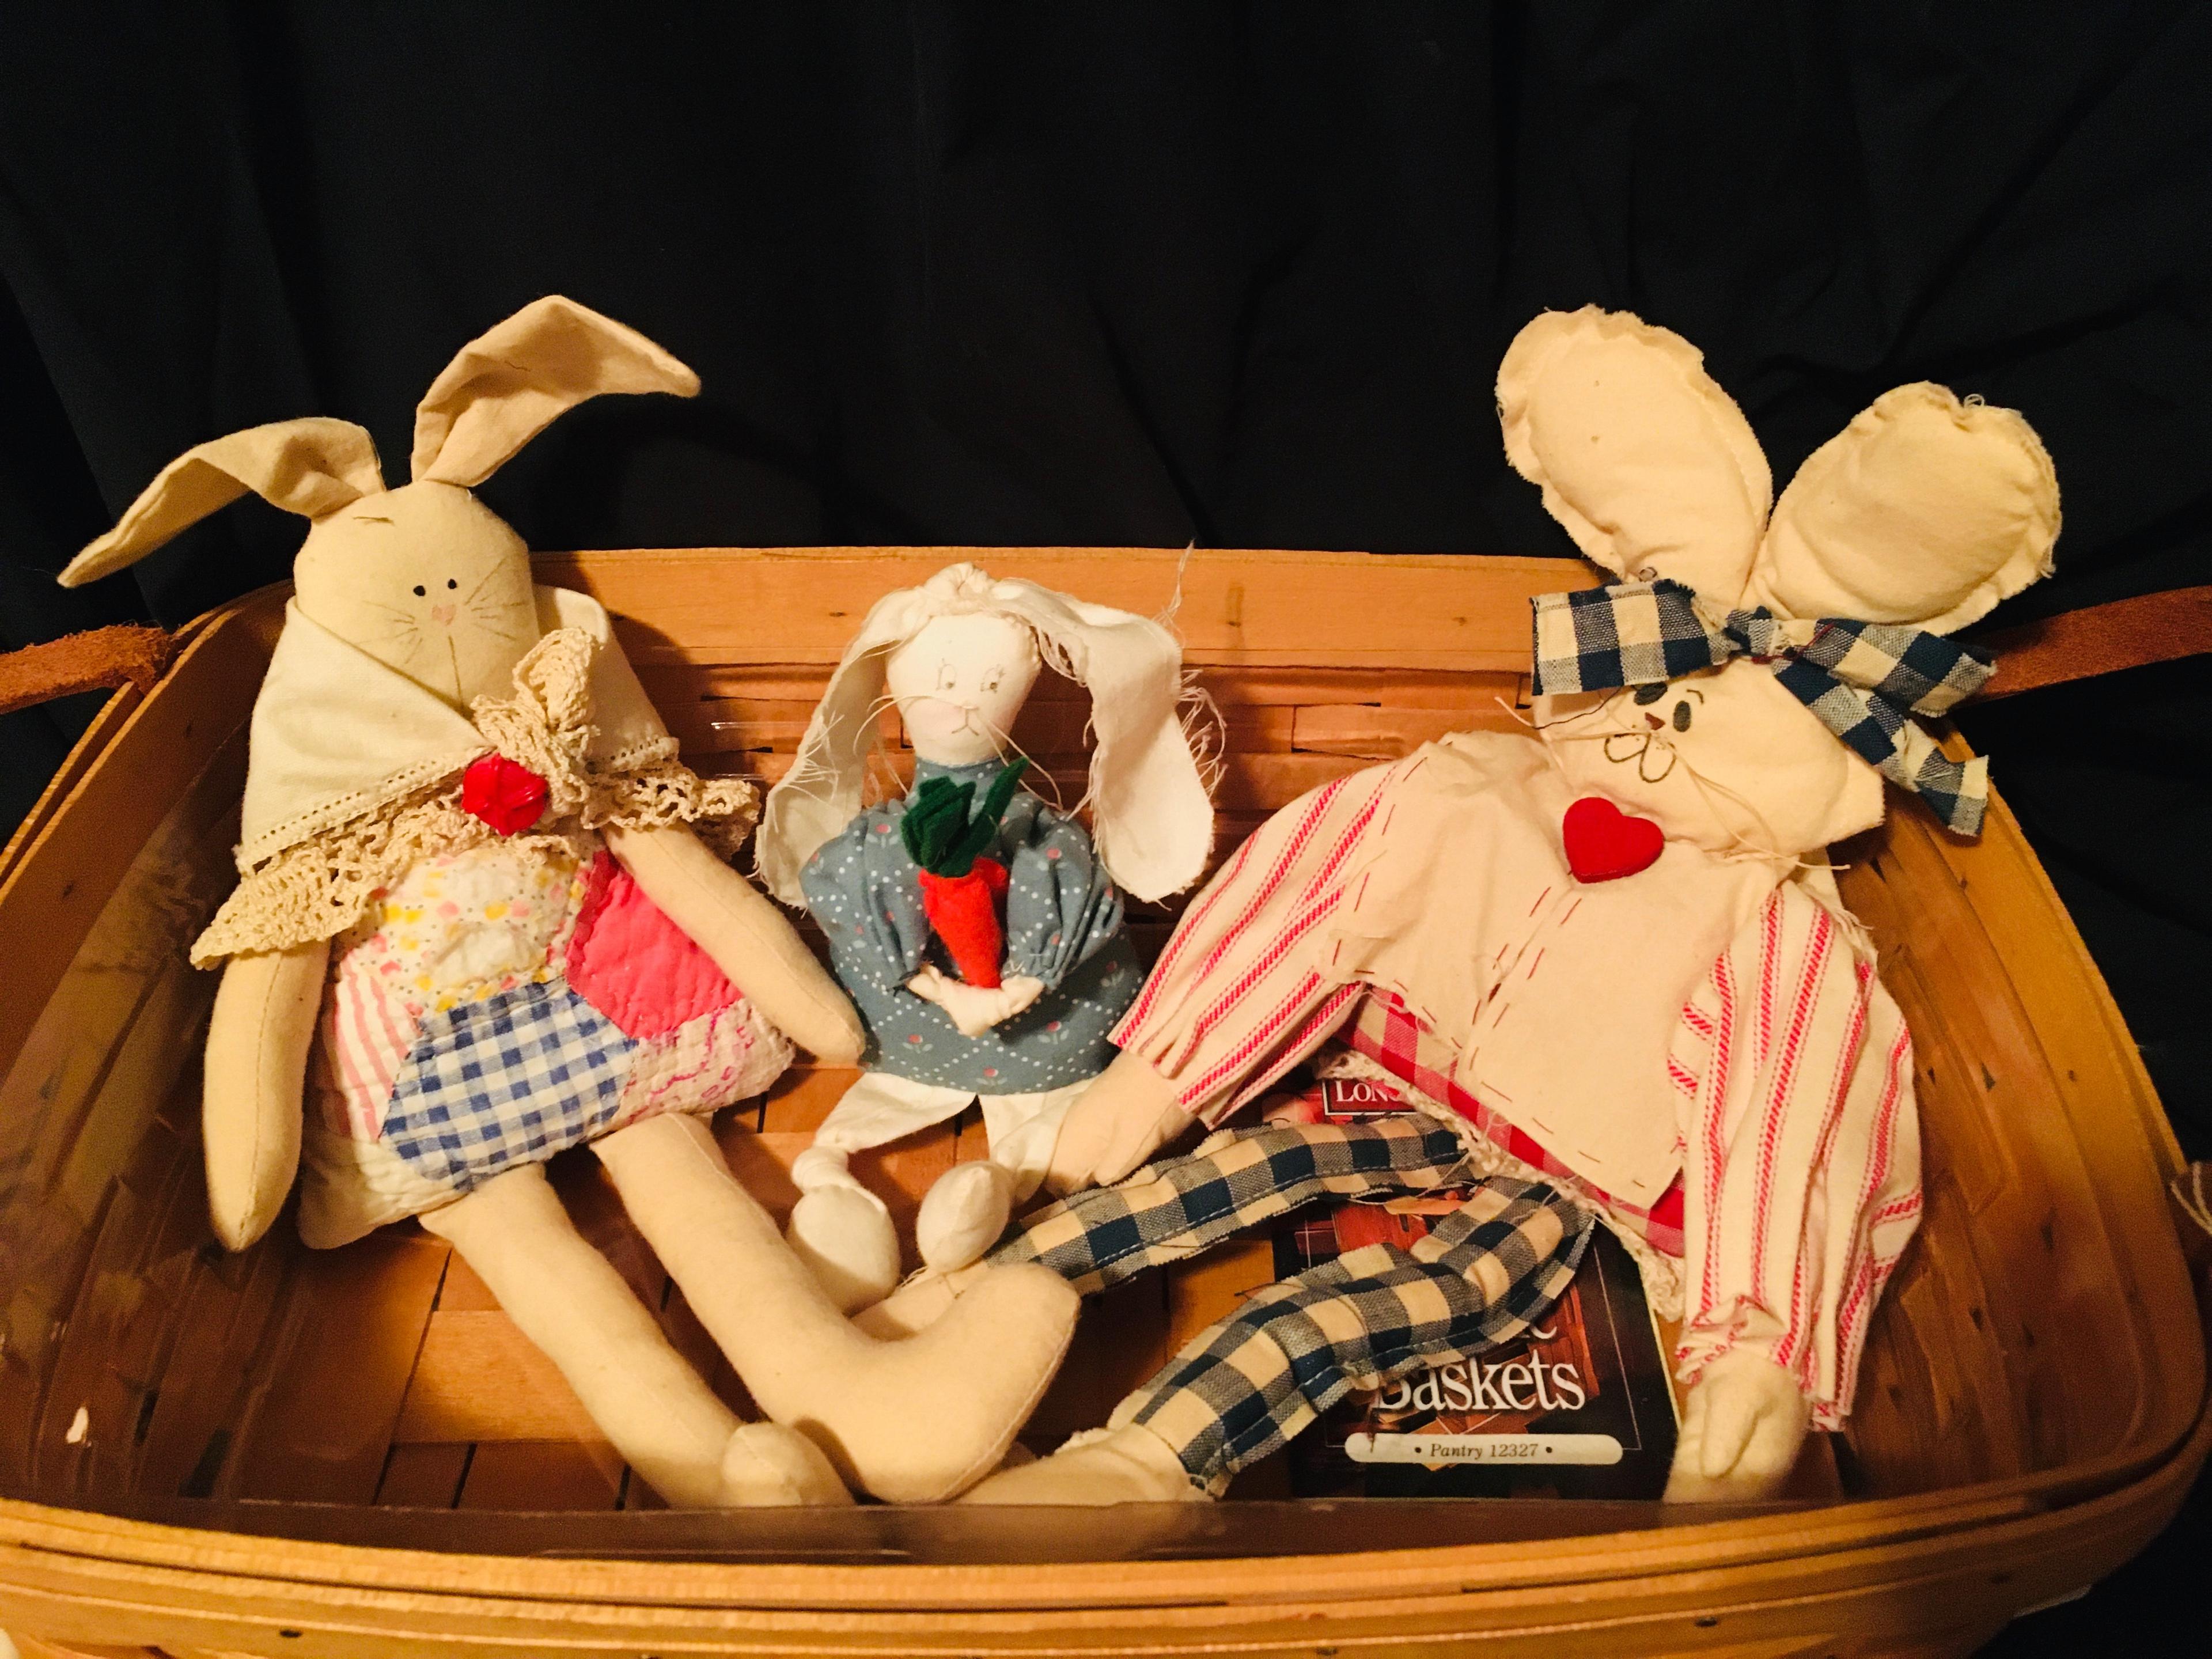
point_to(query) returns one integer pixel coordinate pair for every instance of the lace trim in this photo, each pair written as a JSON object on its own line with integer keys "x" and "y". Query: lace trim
{"x": 318, "y": 888}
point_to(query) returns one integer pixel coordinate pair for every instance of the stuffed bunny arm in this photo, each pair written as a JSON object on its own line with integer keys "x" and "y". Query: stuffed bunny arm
{"x": 975, "y": 1009}
{"x": 1741, "y": 1432}
{"x": 1801, "y": 1167}
{"x": 1144, "y": 1099}
{"x": 746, "y": 935}
{"x": 862, "y": 888}
{"x": 256, "y": 1069}
{"x": 1062, "y": 907}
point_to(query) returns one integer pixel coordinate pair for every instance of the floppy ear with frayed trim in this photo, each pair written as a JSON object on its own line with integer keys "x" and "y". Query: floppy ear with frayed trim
{"x": 311, "y": 467}
{"x": 509, "y": 384}
{"x": 1151, "y": 817}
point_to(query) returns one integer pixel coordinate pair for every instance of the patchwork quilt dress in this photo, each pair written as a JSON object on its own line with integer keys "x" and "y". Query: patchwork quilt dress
{"x": 500, "y": 988}
{"x": 489, "y": 1012}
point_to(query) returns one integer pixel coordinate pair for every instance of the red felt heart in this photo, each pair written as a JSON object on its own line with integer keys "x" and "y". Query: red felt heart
{"x": 1604, "y": 843}
{"x": 506, "y": 796}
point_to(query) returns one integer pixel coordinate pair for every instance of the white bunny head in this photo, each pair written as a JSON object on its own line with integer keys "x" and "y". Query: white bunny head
{"x": 424, "y": 578}
{"x": 957, "y": 656}
{"x": 959, "y": 683}
{"x": 1924, "y": 511}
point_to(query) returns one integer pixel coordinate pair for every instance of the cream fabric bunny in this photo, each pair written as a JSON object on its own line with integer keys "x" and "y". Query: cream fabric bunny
{"x": 956, "y": 657}
{"x": 1618, "y": 934}
{"x": 474, "y": 926}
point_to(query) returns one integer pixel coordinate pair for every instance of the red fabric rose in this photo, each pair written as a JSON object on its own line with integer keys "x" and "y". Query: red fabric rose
{"x": 508, "y": 797}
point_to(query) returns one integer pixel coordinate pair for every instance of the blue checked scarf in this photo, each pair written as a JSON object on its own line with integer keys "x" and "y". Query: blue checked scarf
{"x": 1865, "y": 681}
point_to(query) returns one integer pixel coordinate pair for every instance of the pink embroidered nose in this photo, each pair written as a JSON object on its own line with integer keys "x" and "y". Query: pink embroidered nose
{"x": 444, "y": 613}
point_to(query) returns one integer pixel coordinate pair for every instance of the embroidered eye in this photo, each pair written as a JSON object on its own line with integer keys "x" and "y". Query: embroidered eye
{"x": 420, "y": 589}
{"x": 450, "y": 582}
{"x": 991, "y": 680}
{"x": 945, "y": 677}
{"x": 1651, "y": 694}
{"x": 1683, "y": 714}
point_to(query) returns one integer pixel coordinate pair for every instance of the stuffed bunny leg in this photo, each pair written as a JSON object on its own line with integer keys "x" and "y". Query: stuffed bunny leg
{"x": 966, "y": 1210}
{"x": 1247, "y": 1384}
{"x": 665, "y": 1422}
{"x": 843, "y": 1231}
{"x": 911, "y": 1421}
{"x": 746, "y": 935}
{"x": 259, "y": 1036}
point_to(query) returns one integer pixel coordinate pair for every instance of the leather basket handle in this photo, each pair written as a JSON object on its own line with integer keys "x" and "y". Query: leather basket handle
{"x": 2103, "y": 639}
{"x": 102, "y": 659}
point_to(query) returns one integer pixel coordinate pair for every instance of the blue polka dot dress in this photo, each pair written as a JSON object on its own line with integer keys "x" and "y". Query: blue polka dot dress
{"x": 1063, "y": 926}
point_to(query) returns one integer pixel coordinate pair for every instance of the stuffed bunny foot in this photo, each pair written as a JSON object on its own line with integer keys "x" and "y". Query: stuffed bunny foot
{"x": 962, "y": 1216}
{"x": 1741, "y": 1432}
{"x": 842, "y": 1232}
{"x": 570, "y": 1300}
{"x": 914, "y": 1421}
{"x": 1127, "y": 1465}
{"x": 1122, "y": 1119}
{"x": 767, "y": 1465}
{"x": 920, "y": 1303}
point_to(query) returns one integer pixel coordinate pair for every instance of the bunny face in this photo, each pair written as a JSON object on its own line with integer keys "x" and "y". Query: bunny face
{"x": 1726, "y": 759}
{"x": 959, "y": 683}
{"x": 429, "y": 582}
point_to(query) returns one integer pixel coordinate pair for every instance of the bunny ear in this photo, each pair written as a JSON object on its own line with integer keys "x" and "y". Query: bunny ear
{"x": 311, "y": 467}
{"x": 508, "y": 385}
{"x": 1152, "y": 814}
{"x": 1924, "y": 509}
{"x": 1649, "y": 465}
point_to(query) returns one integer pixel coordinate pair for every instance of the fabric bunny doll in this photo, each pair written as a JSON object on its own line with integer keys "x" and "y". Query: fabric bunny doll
{"x": 474, "y": 926}
{"x": 1614, "y": 946}
{"x": 911, "y": 893}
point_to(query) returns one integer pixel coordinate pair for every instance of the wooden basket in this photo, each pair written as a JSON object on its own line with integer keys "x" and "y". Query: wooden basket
{"x": 353, "y": 1453}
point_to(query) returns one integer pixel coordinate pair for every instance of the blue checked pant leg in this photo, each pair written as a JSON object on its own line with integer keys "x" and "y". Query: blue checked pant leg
{"x": 1235, "y": 1179}
{"x": 1244, "y": 1386}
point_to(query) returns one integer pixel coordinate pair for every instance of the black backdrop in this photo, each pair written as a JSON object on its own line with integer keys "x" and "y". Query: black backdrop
{"x": 1139, "y": 274}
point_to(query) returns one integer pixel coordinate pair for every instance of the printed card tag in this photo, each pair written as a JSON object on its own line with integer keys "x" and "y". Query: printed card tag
{"x": 1357, "y": 1099}
{"x": 1438, "y": 1450}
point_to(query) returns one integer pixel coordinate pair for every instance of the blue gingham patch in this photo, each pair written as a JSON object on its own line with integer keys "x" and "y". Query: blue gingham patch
{"x": 1630, "y": 634}
{"x": 509, "y": 1079}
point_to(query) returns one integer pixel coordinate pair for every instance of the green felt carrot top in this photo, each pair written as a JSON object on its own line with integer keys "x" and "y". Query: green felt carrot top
{"x": 939, "y": 834}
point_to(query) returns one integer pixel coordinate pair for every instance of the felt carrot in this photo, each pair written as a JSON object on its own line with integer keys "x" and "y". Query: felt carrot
{"x": 962, "y": 890}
